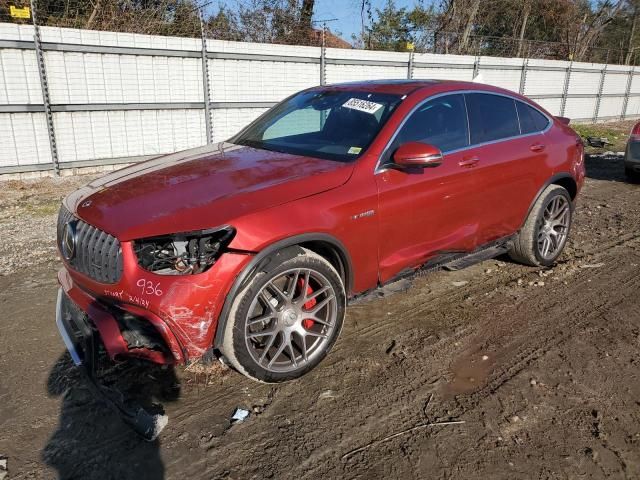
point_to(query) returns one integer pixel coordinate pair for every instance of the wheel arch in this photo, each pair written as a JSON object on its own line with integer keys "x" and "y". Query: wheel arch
{"x": 325, "y": 245}
{"x": 568, "y": 183}
{"x": 565, "y": 180}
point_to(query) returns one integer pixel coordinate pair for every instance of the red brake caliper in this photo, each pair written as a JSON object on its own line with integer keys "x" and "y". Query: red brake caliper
{"x": 307, "y": 322}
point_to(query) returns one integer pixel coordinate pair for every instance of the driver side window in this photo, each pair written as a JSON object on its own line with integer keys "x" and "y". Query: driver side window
{"x": 441, "y": 122}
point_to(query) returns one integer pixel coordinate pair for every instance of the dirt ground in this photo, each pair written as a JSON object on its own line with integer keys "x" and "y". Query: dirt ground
{"x": 541, "y": 366}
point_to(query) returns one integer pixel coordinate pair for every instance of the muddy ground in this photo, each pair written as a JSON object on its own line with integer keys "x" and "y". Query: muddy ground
{"x": 542, "y": 366}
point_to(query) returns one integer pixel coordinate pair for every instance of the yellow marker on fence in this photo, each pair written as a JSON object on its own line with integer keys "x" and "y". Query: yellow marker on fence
{"x": 16, "y": 12}
{"x": 410, "y": 46}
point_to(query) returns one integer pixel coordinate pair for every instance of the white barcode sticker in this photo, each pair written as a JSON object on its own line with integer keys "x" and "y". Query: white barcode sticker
{"x": 362, "y": 105}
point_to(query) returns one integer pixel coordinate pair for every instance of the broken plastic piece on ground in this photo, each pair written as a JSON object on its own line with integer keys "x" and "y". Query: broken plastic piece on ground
{"x": 598, "y": 142}
{"x": 146, "y": 425}
{"x": 4, "y": 469}
{"x": 327, "y": 394}
{"x": 239, "y": 415}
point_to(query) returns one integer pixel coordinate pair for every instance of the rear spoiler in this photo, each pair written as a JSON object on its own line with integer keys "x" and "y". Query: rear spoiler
{"x": 564, "y": 120}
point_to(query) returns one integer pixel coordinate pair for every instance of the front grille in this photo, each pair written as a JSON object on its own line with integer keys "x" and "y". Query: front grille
{"x": 97, "y": 254}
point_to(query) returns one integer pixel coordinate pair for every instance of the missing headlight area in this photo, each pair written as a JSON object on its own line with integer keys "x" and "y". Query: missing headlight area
{"x": 183, "y": 253}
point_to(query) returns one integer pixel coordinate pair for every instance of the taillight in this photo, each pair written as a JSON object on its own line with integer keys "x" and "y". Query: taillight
{"x": 635, "y": 133}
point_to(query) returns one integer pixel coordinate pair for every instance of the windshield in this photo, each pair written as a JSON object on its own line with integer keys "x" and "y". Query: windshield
{"x": 330, "y": 124}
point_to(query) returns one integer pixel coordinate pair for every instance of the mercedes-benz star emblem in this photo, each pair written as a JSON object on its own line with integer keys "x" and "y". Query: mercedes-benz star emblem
{"x": 68, "y": 246}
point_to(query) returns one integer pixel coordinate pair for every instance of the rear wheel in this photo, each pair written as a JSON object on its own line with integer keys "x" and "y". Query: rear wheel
{"x": 631, "y": 174}
{"x": 285, "y": 321}
{"x": 544, "y": 234}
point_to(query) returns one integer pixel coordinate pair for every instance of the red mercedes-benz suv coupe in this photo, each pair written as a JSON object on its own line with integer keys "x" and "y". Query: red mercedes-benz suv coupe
{"x": 251, "y": 248}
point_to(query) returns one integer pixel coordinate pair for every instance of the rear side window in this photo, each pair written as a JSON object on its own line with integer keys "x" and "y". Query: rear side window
{"x": 441, "y": 122}
{"x": 531, "y": 120}
{"x": 491, "y": 117}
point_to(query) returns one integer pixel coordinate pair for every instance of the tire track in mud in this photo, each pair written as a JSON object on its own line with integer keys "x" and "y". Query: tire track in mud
{"x": 391, "y": 316}
{"x": 457, "y": 297}
{"x": 541, "y": 339}
{"x": 579, "y": 316}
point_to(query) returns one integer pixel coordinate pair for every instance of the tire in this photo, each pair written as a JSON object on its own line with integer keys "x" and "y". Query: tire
{"x": 631, "y": 174}
{"x": 529, "y": 246}
{"x": 286, "y": 319}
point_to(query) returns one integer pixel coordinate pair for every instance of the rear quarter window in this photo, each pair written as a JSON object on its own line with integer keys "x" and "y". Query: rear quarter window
{"x": 531, "y": 120}
{"x": 491, "y": 117}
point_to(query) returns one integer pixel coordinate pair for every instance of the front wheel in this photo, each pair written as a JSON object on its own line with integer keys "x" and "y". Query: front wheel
{"x": 544, "y": 234}
{"x": 285, "y": 321}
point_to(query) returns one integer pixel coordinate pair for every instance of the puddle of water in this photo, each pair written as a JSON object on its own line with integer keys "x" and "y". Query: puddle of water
{"x": 470, "y": 373}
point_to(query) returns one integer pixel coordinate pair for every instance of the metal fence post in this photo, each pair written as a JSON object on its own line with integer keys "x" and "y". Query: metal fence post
{"x": 565, "y": 90}
{"x": 410, "y": 66}
{"x": 205, "y": 81}
{"x": 627, "y": 92}
{"x": 603, "y": 75}
{"x": 44, "y": 84}
{"x": 323, "y": 55}
{"x": 523, "y": 76}
{"x": 476, "y": 67}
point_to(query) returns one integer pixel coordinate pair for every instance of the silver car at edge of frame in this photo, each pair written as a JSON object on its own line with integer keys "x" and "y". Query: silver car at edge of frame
{"x": 632, "y": 154}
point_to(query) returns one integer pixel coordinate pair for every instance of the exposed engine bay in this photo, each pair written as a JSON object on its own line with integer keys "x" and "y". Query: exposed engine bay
{"x": 182, "y": 254}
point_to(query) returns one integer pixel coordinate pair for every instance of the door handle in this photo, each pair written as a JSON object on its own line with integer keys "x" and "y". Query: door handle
{"x": 469, "y": 161}
{"x": 537, "y": 147}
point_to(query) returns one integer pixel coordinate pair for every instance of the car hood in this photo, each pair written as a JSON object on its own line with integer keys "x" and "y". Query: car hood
{"x": 200, "y": 188}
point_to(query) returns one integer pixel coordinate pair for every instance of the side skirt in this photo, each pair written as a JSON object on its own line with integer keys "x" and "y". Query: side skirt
{"x": 450, "y": 261}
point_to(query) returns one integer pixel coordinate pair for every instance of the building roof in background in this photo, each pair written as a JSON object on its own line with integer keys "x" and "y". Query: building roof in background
{"x": 331, "y": 40}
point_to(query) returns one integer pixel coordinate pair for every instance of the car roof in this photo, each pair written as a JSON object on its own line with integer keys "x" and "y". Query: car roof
{"x": 406, "y": 87}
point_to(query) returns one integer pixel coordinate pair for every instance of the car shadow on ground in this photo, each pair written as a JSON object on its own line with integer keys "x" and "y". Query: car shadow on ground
{"x": 91, "y": 440}
{"x": 606, "y": 167}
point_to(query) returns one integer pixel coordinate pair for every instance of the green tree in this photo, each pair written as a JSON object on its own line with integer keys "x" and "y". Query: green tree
{"x": 394, "y": 28}
{"x": 223, "y": 25}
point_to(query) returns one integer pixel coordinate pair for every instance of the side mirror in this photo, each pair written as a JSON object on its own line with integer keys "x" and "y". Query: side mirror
{"x": 416, "y": 154}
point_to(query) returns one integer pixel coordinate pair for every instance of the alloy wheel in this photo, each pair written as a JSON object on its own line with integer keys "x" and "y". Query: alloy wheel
{"x": 554, "y": 227}
{"x": 291, "y": 320}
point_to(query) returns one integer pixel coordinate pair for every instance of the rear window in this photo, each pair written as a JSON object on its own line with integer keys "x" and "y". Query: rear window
{"x": 531, "y": 120}
{"x": 491, "y": 117}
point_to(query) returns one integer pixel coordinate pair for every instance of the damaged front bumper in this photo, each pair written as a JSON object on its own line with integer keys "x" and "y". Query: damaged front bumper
{"x": 80, "y": 315}
{"x": 165, "y": 319}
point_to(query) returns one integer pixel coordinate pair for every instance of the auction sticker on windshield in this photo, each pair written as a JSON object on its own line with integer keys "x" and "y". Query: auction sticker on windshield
{"x": 362, "y": 105}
